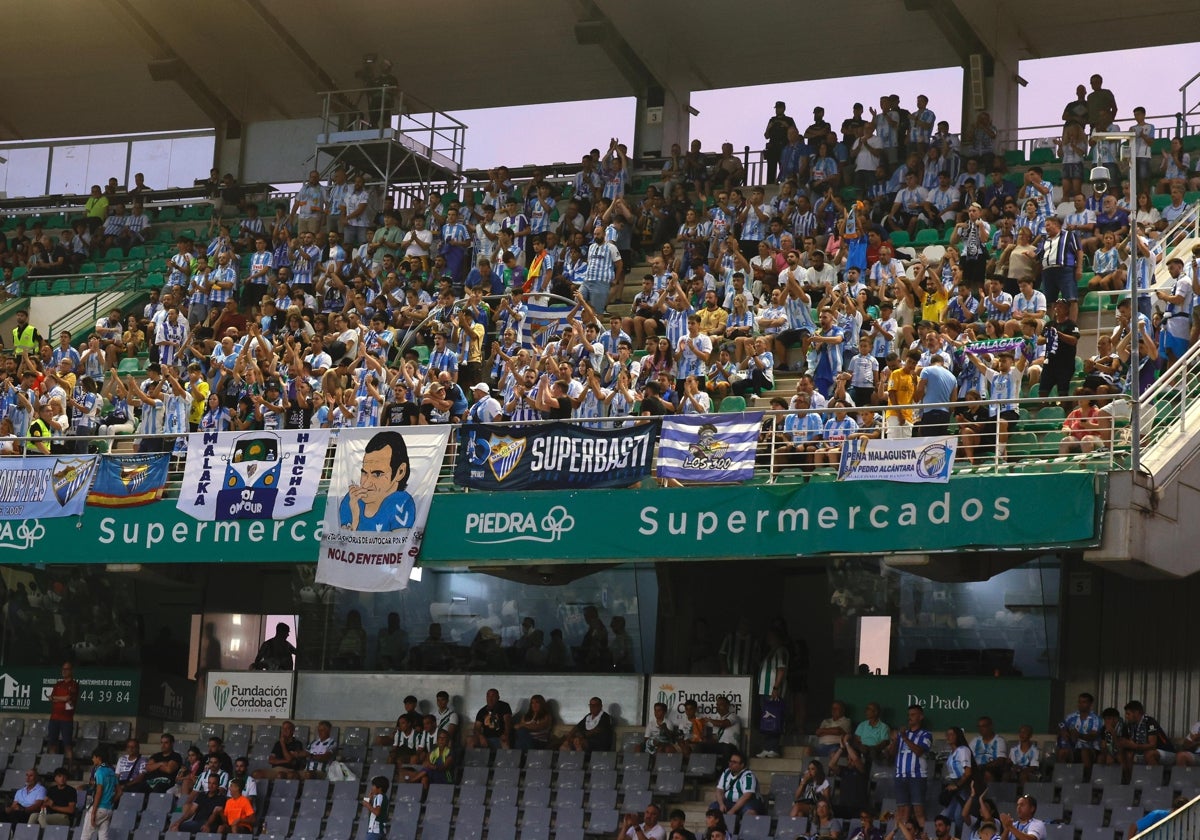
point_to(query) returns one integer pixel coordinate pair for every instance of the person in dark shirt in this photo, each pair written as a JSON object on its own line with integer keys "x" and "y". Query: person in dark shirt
{"x": 201, "y": 814}
{"x": 1060, "y": 337}
{"x": 493, "y": 724}
{"x": 60, "y": 802}
{"x": 596, "y": 728}
{"x": 160, "y": 768}
{"x": 287, "y": 756}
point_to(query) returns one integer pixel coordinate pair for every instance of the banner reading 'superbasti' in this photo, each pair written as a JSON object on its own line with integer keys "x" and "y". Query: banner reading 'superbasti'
{"x": 379, "y": 496}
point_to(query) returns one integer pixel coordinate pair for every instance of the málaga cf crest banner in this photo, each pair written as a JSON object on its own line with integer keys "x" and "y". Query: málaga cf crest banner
{"x": 378, "y": 499}
{"x": 43, "y": 486}
{"x": 554, "y": 456}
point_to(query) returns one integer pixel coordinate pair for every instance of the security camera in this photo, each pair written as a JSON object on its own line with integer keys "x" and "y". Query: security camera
{"x": 1099, "y": 178}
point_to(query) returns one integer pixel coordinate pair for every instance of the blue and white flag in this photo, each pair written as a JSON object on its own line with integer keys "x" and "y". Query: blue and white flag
{"x": 909, "y": 460}
{"x": 709, "y": 447}
{"x": 545, "y": 320}
{"x": 43, "y": 487}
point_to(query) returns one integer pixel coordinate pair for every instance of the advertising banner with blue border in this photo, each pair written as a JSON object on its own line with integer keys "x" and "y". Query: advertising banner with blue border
{"x": 556, "y": 456}
{"x": 252, "y": 475}
{"x": 45, "y": 486}
{"x": 911, "y": 460}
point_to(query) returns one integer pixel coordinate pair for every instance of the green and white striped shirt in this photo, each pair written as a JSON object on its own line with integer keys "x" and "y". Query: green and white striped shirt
{"x": 735, "y": 787}
{"x": 773, "y": 661}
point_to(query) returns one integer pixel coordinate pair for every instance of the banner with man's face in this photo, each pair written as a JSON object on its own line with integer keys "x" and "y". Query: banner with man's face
{"x": 379, "y": 496}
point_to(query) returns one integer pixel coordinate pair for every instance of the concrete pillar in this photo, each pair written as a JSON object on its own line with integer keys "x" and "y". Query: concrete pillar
{"x": 227, "y": 151}
{"x": 990, "y": 84}
{"x": 662, "y": 119}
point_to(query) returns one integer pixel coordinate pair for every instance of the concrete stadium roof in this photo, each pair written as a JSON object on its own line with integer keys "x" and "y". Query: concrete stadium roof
{"x": 75, "y": 68}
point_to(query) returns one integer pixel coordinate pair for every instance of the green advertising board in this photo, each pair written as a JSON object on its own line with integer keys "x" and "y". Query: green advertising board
{"x": 694, "y": 523}
{"x": 685, "y": 523}
{"x": 159, "y": 533}
{"x": 102, "y": 691}
{"x": 952, "y": 701}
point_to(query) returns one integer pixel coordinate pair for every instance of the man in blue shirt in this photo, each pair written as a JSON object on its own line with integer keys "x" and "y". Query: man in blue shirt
{"x": 1154, "y": 817}
{"x": 935, "y": 385}
{"x": 99, "y": 816}
{"x": 379, "y": 501}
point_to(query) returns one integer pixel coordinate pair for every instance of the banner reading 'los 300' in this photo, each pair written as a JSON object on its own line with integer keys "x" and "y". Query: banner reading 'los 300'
{"x": 379, "y": 496}
{"x": 252, "y": 475}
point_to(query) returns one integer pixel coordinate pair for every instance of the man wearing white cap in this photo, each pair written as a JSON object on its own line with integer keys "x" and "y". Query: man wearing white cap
{"x": 486, "y": 408}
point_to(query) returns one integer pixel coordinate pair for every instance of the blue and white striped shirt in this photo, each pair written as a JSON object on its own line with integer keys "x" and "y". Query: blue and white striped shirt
{"x": 226, "y": 274}
{"x": 909, "y": 765}
{"x": 602, "y": 259}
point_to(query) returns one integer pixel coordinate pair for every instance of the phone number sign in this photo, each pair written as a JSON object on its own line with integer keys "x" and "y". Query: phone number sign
{"x": 102, "y": 691}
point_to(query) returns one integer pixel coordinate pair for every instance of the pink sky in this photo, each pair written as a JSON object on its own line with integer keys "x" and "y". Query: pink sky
{"x": 738, "y": 115}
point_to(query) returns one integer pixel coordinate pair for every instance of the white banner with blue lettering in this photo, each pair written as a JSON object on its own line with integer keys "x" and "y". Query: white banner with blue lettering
{"x": 45, "y": 486}
{"x": 911, "y": 460}
{"x": 378, "y": 500}
{"x": 252, "y": 475}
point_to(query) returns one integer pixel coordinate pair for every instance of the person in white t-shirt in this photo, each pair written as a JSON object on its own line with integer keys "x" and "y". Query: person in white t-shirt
{"x": 648, "y": 829}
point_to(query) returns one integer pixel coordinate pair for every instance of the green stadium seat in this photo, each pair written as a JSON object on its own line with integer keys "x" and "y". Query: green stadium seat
{"x": 114, "y": 254}
{"x": 900, "y": 238}
{"x": 137, "y": 252}
{"x": 1014, "y": 157}
{"x": 1051, "y": 416}
{"x": 1191, "y": 143}
{"x": 1160, "y": 201}
{"x": 110, "y": 267}
{"x": 157, "y": 265}
{"x": 422, "y": 353}
{"x": 1160, "y": 145}
{"x": 19, "y": 272}
{"x": 129, "y": 366}
{"x": 1022, "y": 444}
{"x": 196, "y": 213}
{"x": 1041, "y": 156}
{"x": 1191, "y": 197}
{"x": 733, "y": 403}
{"x": 89, "y": 268}
{"x": 929, "y": 236}
{"x": 187, "y": 233}
{"x": 156, "y": 280}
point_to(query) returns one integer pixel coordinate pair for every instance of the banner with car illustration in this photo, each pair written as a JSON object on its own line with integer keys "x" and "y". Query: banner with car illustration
{"x": 252, "y": 475}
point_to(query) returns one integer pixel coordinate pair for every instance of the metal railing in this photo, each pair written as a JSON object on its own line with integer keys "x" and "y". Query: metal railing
{"x": 389, "y": 113}
{"x": 102, "y": 300}
{"x": 1170, "y": 417}
{"x": 1039, "y": 451}
{"x": 1031, "y": 137}
{"x": 1183, "y": 824}
{"x": 1186, "y": 227}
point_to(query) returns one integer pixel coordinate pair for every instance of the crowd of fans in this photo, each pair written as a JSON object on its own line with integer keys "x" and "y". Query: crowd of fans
{"x": 327, "y": 313}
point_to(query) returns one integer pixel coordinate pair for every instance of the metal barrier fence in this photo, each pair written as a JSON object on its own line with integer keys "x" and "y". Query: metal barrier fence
{"x": 1033, "y": 444}
{"x": 1183, "y": 824}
